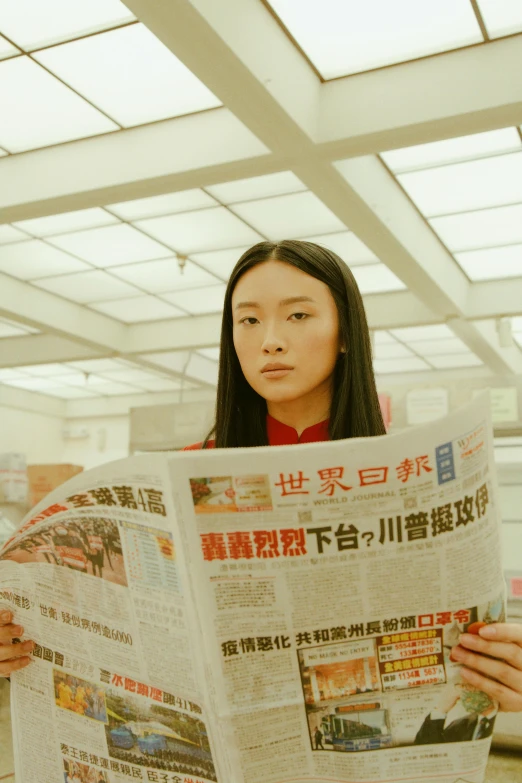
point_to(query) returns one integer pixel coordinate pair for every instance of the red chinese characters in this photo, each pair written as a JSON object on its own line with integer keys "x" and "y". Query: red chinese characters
{"x": 409, "y": 468}
{"x": 261, "y": 544}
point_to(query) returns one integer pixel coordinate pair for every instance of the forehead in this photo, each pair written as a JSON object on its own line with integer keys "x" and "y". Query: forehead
{"x": 273, "y": 280}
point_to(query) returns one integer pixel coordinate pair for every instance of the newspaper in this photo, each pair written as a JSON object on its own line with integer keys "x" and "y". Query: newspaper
{"x": 263, "y": 615}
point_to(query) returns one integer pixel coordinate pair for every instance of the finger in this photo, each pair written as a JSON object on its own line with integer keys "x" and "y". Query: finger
{"x": 506, "y": 651}
{"x": 11, "y": 651}
{"x": 508, "y": 700}
{"x": 6, "y": 669}
{"x": 490, "y": 667}
{"x": 5, "y": 617}
{"x": 9, "y": 632}
{"x": 502, "y": 632}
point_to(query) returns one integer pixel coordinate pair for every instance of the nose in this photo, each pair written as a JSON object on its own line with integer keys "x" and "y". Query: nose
{"x": 272, "y": 344}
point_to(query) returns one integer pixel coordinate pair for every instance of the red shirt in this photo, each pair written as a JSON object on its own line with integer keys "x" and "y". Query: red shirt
{"x": 280, "y": 434}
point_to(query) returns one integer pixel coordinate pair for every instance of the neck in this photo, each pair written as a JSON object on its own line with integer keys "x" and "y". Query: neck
{"x": 304, "y": 412}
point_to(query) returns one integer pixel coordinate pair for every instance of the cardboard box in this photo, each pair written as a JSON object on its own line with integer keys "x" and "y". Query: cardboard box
{"x": 44, "y": 478}
{"x": 13, "y": 478}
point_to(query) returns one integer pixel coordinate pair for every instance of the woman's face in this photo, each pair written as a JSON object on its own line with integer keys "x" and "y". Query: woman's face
{"x": 286, "y": 332}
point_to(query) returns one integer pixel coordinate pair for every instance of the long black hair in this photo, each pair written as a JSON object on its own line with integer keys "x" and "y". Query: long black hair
{"x": 355, "y": 410}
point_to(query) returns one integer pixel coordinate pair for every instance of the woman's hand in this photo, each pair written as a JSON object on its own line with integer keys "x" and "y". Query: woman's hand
{"x": 492, "y": 661}
{"x": 12, "y": 656}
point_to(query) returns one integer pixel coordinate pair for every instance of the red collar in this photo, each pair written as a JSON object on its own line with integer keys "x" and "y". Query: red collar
{"x": 280, "y": 434}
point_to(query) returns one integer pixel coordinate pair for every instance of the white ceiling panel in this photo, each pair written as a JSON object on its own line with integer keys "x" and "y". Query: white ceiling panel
{"x": 7, "y": 49}
{"x": 134, "y": 375}
{"x": 196, "y": 232}
{"x": 115, "y": 389}
{"x": 160, "y": 385}
{"x": 455, "y": 360}
{"x": 168, "y": 204}
{"x": 130, "y": 75}
{"x": 111, "y": 245}
{"x": 34, "y": 384}
{"x": 288, "y": 217}
{"x": 346, "y": 37}
{"x": 97, "y": 365}
{"x": 138, "y": 309}
{"x": 72, "y": 392}
{"x": 257, "y": 187}
{"x": 483, "y": 228}
{"x": 37, "y": 110}
{"x": 11, "y": 330}
{"x": 411, "y": 334}
{"x": 198, "y": 301}
{"x": 492, "y": 263}
{"x": 452, "y": 150}
{"x": 501, "y": 17}
{"x": 67, "y": 221}
{"x": 7, "y": 374}
{"x": 165, "y": 275}
{"x": 382, "y": 338}
{"x": 88, "y": 287}
{"x": 202, "y": 369}
{"x": 347, "y": 246}
{"x": 220, "y": 262}
{"x": 413, "y": 364}
{"x": 376, "y": 279}
{"x": 171, "y": 360}
{"x": 463, "y": 187}
{"x": 392, "y": 350}
{"x": 34, "y": 258}
{"x": 210, "y": 353}
{"x": 9, "y": 234}
{"x": 429, "y": 348}
{"x": 49, "y": 370}
{"x": 33, "y": 23}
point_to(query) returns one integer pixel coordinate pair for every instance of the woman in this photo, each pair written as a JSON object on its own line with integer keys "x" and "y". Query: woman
{"x": 296, "y": 367}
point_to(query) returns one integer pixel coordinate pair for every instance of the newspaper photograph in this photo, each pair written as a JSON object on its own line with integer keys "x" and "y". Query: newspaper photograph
{"x": 271, "y": 615}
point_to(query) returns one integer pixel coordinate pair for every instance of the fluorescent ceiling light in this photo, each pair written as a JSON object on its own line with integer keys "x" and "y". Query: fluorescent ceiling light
{"x": 166, "y": 275}
{"x": 349, "y": 247}
{"x": 34, "y": 259}
{"x": 493, "y": 263}
{"x": 197, "y": 232}
{"x": 130, "y": 75}
{"x": 33, "y": 23}
{"x": 28, "y": 91}
{"x": 168, "y": 204}
{"x": 257, "y": 187}
{"x": 288, "y": 217}
{"x": 137, "y": 309}
{"x": 501, "y": 17}
{"x": 483, "y": 228}
{"x": 111, "y": 245}
{"x": 376, "y": 279}
{"x": 199, "y": 301}
{"x": 67, "y": 221}
{"x": 463, "y": 187}
{"x": 452, "y": 150}
{"x": 341, "y": 38}
{"x": 88, "y": 287}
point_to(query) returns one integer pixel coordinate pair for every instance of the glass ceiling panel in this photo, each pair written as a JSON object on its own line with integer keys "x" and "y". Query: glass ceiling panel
{"x": 168, "y": 204}
{"x": 137, "y": 309}
{"x": 382, "y": 338}
{"x": 198, "y": 301}
{"x": 160, "y": 276}
{"x": 347, "y": 246}
{"x": 172, "y": 360}
{"x": 483, "y": 228}
{"x": 135, "y": 375}
{"x": 376, "y": 279}
{"x": 28, "y": 92}
{"x": 97, "y": 365}
{"x": 33, "y": 23}
{"x": 9, "y": 234}
{"x": 257, "y": 187}
{"x": 130, "y": 75}
{"x": 455, "y": 360}
{"x": 431, "y": 348}
{"x": 68, "y": 221}
{"x": 411, "y": 334}
{"x": 346, "y": 37}
{"x": 220, "y": 262}
{"x": 385, "y": 366}
{"x": 202, "y": 369}
{"x": 501, "y": 17}
{"x": 463, "y": 187}
{"x": 33, "y": 259}
{"x": 210, "y": 353}
{"x": 11, "y": 330}
{"x": 452, "y": 150}
{"x": 391, "y": 351}
{"x": 492, "y": 263}
{"x": 111, "y": 245}
{"x": 49, "y": 370}
{"x": 288, "y": 217}
{"x": 88, "y": 287}
{"x": 196, "y": 232}
{"x": 6, "y": 49}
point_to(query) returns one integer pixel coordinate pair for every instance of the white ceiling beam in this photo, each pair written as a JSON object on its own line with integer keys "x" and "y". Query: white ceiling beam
{"x": 120, "y": 406}
{"x": 452, "y": 94}
{"x": 42, "y": 349}
{"x": 495, "y": 298}
{"x": 13, "y": 397}
{"x": 171, "y": 155}
{"x": 179, "y": 334}
{"x": 50, "y": 313}
{"x": 511, "y": 355}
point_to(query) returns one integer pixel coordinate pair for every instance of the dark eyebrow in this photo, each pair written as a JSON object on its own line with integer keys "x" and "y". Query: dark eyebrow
{"x": 289, "y": 301}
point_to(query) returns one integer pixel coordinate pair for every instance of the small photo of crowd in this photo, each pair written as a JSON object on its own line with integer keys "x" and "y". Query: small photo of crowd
{"x": 79, "y": 696}
{"x": 73, "y": 772}
{"x": 155, "y": 736}
{"x": 88, "y": 545}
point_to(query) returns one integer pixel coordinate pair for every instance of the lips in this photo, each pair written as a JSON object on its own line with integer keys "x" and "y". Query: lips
{"x": 275, "y": 366}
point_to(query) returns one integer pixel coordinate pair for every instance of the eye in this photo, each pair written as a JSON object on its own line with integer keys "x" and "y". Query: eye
{"x": 299, "y": 316}
{"x": 249, "y": 320}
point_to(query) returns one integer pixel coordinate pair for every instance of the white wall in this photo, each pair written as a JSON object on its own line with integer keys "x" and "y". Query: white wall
{"x": 36, "y": 435}
{"x": 107, "y": 440}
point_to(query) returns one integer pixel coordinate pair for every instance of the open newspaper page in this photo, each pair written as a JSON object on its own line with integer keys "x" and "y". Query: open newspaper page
{"x": 116, "y": 691}
{"x": 333, "y": 580}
